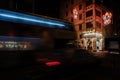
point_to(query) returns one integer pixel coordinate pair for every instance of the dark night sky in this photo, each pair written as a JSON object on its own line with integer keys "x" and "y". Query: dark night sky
{"x": 47, "y": 7}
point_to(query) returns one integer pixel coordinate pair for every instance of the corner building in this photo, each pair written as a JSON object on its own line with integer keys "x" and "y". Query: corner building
{"x": 87, "y": 17}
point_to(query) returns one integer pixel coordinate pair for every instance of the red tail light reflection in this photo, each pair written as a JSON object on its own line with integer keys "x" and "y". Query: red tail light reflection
{"x": 53, "y": 63}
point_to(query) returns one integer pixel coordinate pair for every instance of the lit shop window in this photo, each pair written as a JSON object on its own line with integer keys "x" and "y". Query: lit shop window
{"x": 14, "y": 45}
{"x": 80, "y": 17}
{"x": 98, "y": 13}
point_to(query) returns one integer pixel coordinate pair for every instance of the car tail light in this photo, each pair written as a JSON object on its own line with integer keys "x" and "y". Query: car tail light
{"x": 53, "y": 63}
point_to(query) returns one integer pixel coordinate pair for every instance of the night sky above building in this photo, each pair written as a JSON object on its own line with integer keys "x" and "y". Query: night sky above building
{"x": 51, "y": 7}
{"x": 47, "y": 7}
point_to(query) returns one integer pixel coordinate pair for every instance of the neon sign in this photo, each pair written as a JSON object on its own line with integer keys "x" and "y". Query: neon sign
{"x": 107, "y": 18}
{"x": 75, "y": 13}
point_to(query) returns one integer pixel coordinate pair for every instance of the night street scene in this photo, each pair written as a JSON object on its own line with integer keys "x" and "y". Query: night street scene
{"x": 59, "y": 40}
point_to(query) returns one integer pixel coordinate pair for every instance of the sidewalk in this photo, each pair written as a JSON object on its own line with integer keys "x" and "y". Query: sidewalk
{"x": 99, "y": 54}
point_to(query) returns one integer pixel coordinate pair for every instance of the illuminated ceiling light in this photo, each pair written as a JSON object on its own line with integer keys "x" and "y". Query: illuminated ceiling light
{"x": 92, "y": 34}
{"x": 28, "y": 19}
{"x": 107, "y": 18}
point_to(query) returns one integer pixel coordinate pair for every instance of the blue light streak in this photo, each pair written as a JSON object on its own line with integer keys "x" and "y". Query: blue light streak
{"x": 16, "y": 17}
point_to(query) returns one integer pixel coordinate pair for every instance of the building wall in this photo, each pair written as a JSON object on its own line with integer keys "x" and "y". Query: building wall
{"x": 90, "y": 17}
{"x": 66, "y": 13}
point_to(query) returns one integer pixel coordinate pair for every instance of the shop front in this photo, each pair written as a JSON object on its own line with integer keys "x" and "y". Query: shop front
{"x": 92, "y": 41}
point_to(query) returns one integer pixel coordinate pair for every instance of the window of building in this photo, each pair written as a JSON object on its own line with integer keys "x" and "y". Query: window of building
{"x": 98, "y": 2}
{"x": 89, "y": 2}
{"x": 89, "y": 25}
{"x": 98, "y": 24}
{"x": 80, "y": 27}
{"x": 66, "y": 13}
{"x": 98, "y": 13}
{"x": 89, "y": 13}
{"x": 71, "y": 19}
{"x": 80, "y": 7}
{"x": 80, "y": 17}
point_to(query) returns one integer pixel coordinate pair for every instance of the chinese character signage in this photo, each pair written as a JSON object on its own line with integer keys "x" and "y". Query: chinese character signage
{"x": 107, "y": 18}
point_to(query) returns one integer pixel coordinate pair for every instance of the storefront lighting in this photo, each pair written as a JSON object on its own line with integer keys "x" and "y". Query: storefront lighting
{"x": 92, "y": 34}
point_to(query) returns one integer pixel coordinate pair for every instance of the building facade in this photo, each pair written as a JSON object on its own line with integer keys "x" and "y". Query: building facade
{"x": 89, "y": 24}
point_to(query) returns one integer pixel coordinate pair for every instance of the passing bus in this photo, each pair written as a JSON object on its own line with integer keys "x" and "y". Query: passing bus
{"x": 26, "y": 39}
{"x": 20, "y": 30}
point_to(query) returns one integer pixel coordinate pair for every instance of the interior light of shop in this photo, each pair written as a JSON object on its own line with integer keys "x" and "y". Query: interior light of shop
{"x": 86, "y": 34}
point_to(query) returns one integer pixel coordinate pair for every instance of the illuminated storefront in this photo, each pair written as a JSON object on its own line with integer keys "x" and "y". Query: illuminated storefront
{"x": 91, "y": 22}
{"x": 92, "y": 40}
{"x": 19, "y": 43}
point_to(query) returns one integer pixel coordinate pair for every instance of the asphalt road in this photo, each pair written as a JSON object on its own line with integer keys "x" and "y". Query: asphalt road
{"x": 108, "y": 69}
